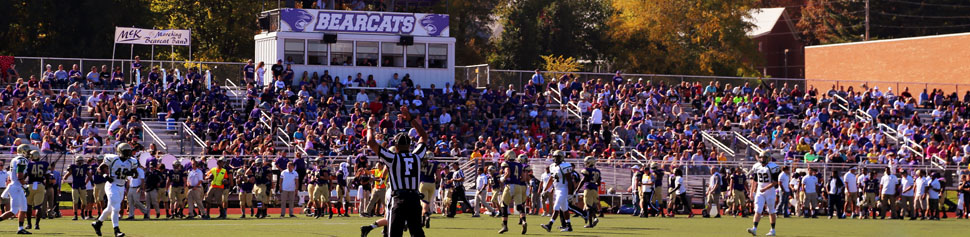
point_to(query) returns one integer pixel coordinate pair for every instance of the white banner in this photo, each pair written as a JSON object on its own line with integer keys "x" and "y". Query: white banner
{"x": 127, "y": 35}
{"x": 396, "y": 23}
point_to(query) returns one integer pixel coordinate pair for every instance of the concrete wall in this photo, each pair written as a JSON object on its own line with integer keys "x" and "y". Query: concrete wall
{"x": 921, "y": 62}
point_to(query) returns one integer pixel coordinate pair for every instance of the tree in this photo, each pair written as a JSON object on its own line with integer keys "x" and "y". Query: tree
{"x": 552, "y": 63}
{"x": 469, "y": 23}
{"x": 832, "y": 21}
{"x": 683, "y": 37}
{"x": 222, "y": 30}
{"x": 531, "y": 28}
{"x": 67, "y": 28}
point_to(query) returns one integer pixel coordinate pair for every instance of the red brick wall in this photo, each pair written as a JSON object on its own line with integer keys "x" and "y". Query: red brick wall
{"x": 934, "y": 62}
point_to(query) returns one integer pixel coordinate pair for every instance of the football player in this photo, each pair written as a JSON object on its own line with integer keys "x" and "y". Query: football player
{"x": 560, "y": 174}
{"x": 514, "y": 193}
{"x": 765, "y": 173}
{"x": 116, "y": 169}
{"x": 321, "y": 191}
{"x": 36, "y": 178}
{"x": 591, "y": 181}
{"x": 15, "y": 189}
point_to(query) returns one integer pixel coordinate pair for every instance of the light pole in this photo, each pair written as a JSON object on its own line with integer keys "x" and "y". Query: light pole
{"x": 786, "y": 63}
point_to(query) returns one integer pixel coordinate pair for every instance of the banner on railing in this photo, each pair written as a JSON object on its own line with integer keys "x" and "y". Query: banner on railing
{"x": 128, "y": 35}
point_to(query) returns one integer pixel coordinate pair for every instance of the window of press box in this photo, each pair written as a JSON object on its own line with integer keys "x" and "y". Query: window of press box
{"x": 392, "y": 55}
{"x": 316, "y": 52}
{"x": 342, "y": 53}
{"x": 294, "y": 49}
{"x": 416, "y": 55}
{"x": 367, "y": 53}
{"x": 437, "y": 55}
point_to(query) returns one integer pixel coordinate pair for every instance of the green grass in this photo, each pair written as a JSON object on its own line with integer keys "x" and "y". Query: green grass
{"x": 465, "y": 226}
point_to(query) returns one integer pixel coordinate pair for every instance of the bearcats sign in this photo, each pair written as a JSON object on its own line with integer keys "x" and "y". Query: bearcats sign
{"x": 127, "y": 35}
{"x": 415, "y": 24}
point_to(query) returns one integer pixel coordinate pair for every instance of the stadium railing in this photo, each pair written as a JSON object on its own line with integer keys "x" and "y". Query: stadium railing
{"x": 151, "y": 133}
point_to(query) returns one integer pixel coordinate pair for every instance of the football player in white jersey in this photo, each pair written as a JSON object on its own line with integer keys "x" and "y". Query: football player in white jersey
{"x": 15, "y": 190}
{"x": 116, "y": 169}
{"x": 765, "y": 173}
{"x": 560, "y": 176}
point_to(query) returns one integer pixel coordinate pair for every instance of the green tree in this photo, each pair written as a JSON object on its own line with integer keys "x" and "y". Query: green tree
{"x": 469, "y": 23}
{"x": 683, "y": 37}
{"x": 67, "y": 28}
{"x": 832, "y": 21}
{"x": 222, "y": 30}
{"x": 531, "y": 28}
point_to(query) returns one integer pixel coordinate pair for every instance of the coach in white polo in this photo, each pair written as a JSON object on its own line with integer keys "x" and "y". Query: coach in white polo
{"x": 288, "y": 185}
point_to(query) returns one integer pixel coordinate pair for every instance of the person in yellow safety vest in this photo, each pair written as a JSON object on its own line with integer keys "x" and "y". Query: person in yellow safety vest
{"x": 380, "y": 187}
{"x": 218, "y": 177}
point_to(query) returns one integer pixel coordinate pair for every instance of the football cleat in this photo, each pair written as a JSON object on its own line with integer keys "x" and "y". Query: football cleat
{"x": 771, "y": 232}
{"x": 753, "y": 231}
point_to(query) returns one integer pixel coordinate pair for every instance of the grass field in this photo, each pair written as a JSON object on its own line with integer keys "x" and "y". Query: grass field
{"x": 465, "y": 226}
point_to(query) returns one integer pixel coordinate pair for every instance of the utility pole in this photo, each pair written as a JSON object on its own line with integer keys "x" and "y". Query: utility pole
{"x": 867, "y": 21}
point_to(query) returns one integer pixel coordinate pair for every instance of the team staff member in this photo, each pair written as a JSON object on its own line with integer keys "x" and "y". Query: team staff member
{"x": 135, "y": 188}
{"x": 888, "y": 187}
{"x": 481, "y": 186}
{"x": 289, "y": 181}
{"x": 405, "y": 203}
{"x": 218, "y": 177}
{"x": 647, "y": 180}
{"x": 177, "y": 188}
{"x": 195, "y": 191}
{"x": 36, "y": 189}
{"x": 379, "y": 174}
{"x": 78, "y": 173}
{"x": 263, "y": 184}
{"x": 713, "y": 194}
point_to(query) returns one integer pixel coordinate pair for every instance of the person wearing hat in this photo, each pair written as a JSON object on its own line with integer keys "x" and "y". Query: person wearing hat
{"x": 218, "y": 178}
{"x": 177, "y": 188}
{"x": 343, "y": 199}
{"x": 429, "y": 175}
{"x": 457, "y": 179}
{"x": 379, "y": 175}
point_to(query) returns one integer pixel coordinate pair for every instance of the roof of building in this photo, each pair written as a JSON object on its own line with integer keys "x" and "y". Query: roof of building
{"x": 764, "y": 20}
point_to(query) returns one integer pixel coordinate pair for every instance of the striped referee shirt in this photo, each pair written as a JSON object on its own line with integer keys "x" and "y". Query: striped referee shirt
{"x": 405, "y": 168}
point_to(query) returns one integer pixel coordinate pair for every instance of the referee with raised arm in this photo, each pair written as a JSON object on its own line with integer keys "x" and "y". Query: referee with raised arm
{"x": 405, "y": 168}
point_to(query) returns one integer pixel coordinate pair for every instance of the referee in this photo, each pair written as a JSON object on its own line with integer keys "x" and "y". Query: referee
{"x": 404, "y": 166}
